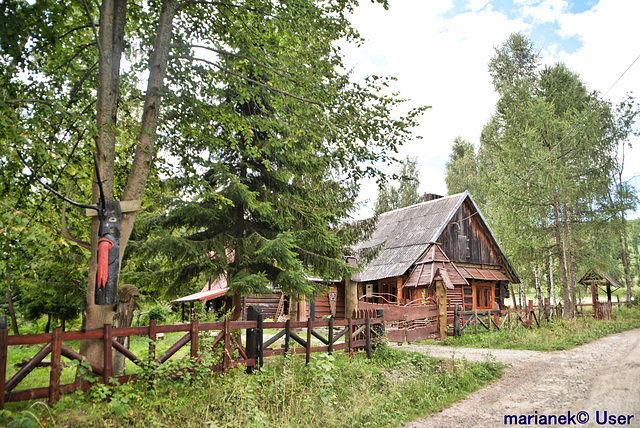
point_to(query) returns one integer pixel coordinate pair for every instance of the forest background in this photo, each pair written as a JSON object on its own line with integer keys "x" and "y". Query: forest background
{"x": 254, "y": 161}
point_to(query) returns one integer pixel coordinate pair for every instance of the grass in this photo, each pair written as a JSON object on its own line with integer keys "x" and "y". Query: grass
{"x": 558, "y": 334}
{"x": 388, "y": 390}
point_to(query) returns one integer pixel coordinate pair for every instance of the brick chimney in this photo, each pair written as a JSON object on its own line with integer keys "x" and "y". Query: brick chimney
{"x": 431, "y": 197}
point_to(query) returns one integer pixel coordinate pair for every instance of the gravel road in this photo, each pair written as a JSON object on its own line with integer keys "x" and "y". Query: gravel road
{"x": 599, "y": 380}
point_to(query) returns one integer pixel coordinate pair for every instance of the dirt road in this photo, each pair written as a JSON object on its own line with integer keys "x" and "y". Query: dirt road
{"x": 599, "y": 381}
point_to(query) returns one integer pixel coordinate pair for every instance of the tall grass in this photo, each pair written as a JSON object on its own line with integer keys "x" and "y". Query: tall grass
{"x": 388, "y": 390}
{"x": 558, "y": 334}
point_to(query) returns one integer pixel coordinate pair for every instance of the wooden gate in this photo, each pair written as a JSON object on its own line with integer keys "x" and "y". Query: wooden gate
{"x": 410, "y": 323}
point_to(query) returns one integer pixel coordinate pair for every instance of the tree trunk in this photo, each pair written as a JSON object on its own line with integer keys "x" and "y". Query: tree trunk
{"x": 127, "y": 295}
{"x": 570, "y": 266}
{"x": 513, "y": 296}
{"x": 536, "y": 272}
{"x": 552, "y": 297}
{"x": 624, "y": 252}
{"x": 560, "y": 252}
{"x": 110, "y": 42}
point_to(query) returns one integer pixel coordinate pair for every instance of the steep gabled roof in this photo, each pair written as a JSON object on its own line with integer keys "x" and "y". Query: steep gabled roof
{"x": 434, "y": 265}
{"x": 598, "y": 277}
{"x": 406, "y": 234}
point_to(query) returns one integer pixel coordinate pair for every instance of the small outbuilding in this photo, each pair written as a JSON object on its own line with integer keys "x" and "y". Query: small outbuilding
{"x": 600, "y": 280}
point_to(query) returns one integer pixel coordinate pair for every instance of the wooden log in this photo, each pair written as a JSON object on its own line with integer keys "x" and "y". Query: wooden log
{"x": 274, "y": 338}
{"x": 287, "y": 335}
{"x": 308, "y": 347}
{"x": 27, "y": 368}
{"x": 456, "y": 321}
{"x": 341, "y": 333}
{"x": 4, "y": 334}
{"x": 254, "y": 312}
{"x": 319, "y": 337}
{"x": 331, "y": 338}
{"x": 194, "y": 336}
{"x": 367, "y": 333}
{"x": 298, "y": 339}
{"x": 152, "y": 340}
{"x": 239, "y": 347}
{"x": 174, "y": 348}
{"x": 56, "y": 368}
{"x": 350, "y": 338}
{"x": 108, "y": 354}
{"x": 120, "y": 348}
{"x": 226, "y": 353}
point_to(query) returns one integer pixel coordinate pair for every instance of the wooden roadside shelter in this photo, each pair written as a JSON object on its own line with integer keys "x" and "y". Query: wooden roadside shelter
{"x": 444, "y": 239}
{"x": 208, "y": 296}
{"x": 598, "y": 279}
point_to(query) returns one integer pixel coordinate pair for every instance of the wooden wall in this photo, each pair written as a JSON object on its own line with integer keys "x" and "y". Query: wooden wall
{"x": 467, "y": 240}
{"x": 322, "y": 303}
{"x": 268, "y": 304}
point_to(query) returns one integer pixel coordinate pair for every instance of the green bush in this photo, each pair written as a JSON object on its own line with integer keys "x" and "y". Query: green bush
{"x": 159, "y": 313}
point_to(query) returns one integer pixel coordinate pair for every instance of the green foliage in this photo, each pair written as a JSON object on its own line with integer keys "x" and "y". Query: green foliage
{"x": 556, "y": 335}
{"x": 546, "y": 168}
{"x": 463, "y": 169}
{"x": 399, "y": 387}
{"x": 405, "y": 194}
{"x": 159, "y": 313}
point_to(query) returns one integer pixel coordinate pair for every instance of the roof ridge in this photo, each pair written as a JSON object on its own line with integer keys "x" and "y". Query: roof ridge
{"x": 423, "y": 203}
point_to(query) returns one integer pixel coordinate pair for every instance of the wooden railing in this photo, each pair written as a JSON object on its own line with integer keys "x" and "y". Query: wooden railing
{"x": 357, "y": 333}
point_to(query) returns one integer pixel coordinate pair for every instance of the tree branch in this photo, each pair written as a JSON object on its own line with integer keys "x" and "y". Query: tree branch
{"x": 29, "y": 100}
{"x": 210, "y": 3}
{"x": 75, "y": 29}
{"x": 93, "y": 26}
{"x": 235, "y": 55}
{"x": 248, "y": 79}
{"x": 65, "y": 230}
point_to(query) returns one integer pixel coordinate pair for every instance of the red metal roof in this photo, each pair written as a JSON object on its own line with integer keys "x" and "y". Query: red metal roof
{"x": 203, "y": 295}
{"x": 482, "y": 274}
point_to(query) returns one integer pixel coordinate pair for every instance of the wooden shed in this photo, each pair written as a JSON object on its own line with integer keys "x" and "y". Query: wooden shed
{"x": 600, "y": 280}
{"x": 446, "y": 236}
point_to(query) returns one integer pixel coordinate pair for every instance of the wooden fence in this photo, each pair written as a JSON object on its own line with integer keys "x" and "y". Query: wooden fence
{"x": 410, "y": 323}
{"x": 482, "y": 321}
{"x": 357, "y": 333}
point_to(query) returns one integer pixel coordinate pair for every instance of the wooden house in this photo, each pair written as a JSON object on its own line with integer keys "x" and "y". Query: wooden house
{"x": 443, "y": 239}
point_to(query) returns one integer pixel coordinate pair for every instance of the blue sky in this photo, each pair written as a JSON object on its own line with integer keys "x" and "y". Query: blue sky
{"x": 439, "y": 51}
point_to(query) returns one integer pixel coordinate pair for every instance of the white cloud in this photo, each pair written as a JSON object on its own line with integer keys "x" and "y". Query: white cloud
{"x": 443, "y": 63}
{"x": 543, "y": 11}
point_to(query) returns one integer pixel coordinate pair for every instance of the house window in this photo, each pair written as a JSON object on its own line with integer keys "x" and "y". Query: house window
{"x": 484, "y": 297}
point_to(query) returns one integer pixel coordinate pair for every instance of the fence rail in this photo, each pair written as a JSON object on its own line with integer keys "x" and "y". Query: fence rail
{"x": 357, "y": 334}
{"x": 482, "y": 321}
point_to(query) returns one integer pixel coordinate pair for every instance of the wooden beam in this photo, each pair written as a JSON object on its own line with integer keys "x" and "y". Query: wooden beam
{"x": 125, "y": 206}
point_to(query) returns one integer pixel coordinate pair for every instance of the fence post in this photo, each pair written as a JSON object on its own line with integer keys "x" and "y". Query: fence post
{"x": 194, "y": 332}
{"x": 287, "y": 336}
{"x": 381, "y": 326}
{"x": 308, "y": 347}
{"x": 330, "y": 350}
{"x": 254, "y": 313}
{"x": 350, "y": 338}
{"x": 4, "y": 336}
{"x": 367, "y": 333}
{"x": 108, "y": 355}
{"x": 226, "y": 353}
{"x": 152, "y": 340}
{"x": 56, "y": 368}
{"x": 456, "y": 321}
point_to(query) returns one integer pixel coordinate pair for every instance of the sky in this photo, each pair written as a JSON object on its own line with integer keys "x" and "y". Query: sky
{"x": 439, "y": 51}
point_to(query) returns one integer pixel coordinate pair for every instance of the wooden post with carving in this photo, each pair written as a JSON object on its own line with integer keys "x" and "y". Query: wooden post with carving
{"x": 441, "y": 296}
